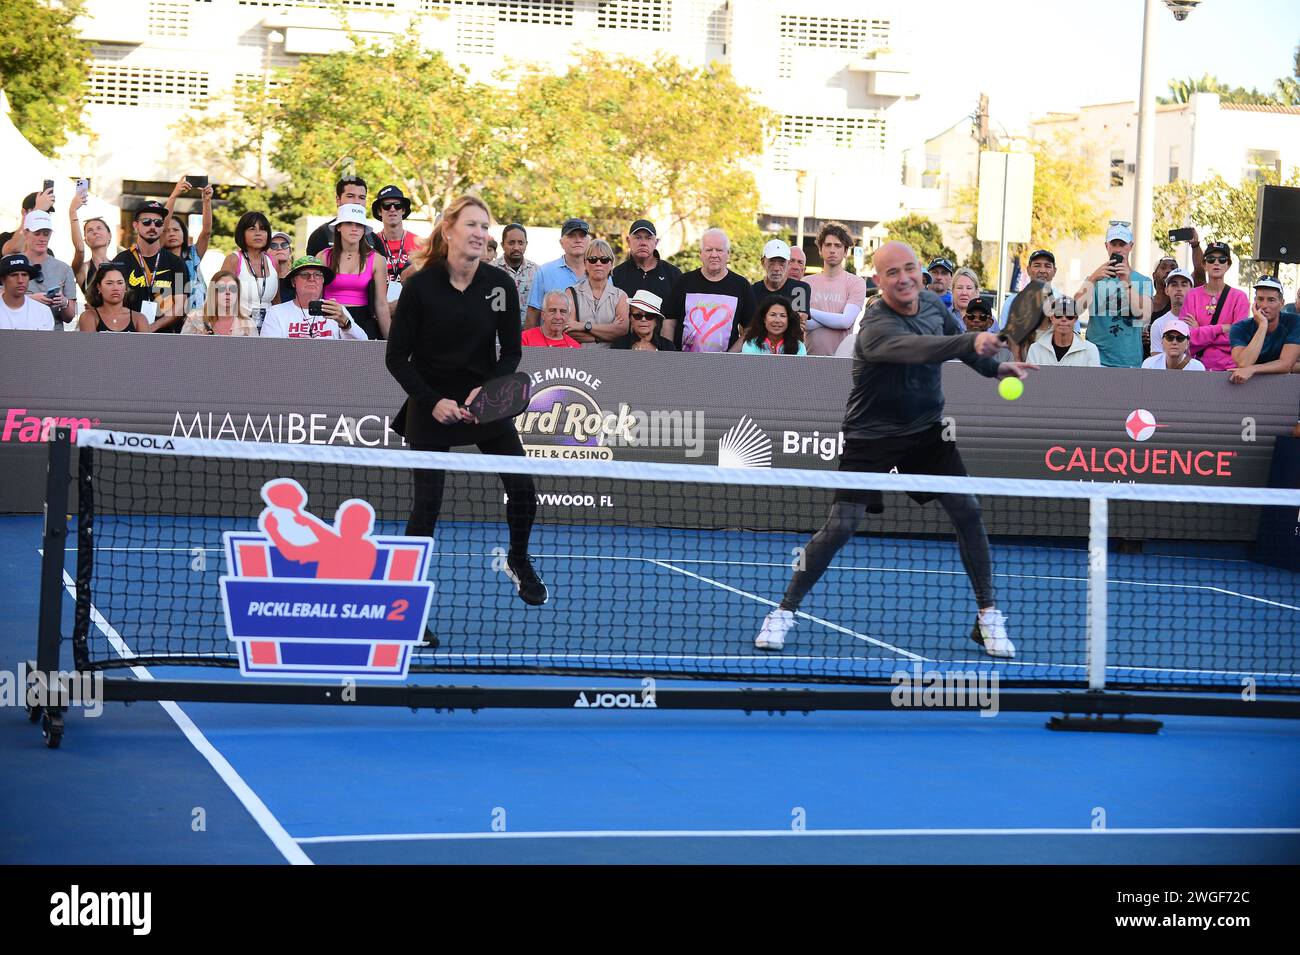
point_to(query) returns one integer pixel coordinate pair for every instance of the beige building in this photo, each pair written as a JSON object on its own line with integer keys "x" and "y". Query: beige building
{"x": 1193, "y": 140}
{"x": 838, "y": 76}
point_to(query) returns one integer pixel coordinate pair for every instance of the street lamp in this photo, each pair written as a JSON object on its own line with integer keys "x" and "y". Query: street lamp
{"x": 1143, "y": 185}
{"x": 1181, "y": 8}
{"x": 273, "y": 38}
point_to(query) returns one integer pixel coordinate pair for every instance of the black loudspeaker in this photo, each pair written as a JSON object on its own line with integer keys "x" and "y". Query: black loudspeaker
{"x": 1277, "y": 224}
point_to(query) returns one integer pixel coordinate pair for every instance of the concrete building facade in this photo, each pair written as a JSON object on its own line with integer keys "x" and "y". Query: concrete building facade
{"x": 838, "y": 78}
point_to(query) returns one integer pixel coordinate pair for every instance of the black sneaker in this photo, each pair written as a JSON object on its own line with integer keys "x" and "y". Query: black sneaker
{"x": 430, "y": 639}
{"x": 530, "y": 587}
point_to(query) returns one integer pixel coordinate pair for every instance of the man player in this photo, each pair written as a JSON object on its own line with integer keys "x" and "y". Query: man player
{"x": 893, "y": 421}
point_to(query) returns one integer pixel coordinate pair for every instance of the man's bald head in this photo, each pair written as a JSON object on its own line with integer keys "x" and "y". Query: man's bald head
{"x": 898, "y": 275}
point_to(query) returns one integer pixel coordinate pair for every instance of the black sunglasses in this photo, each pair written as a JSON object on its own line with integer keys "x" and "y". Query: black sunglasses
{"x": 601, "y": 259}
{"x": 632, "y": 314}
{"x": 1174, "y": 337}
{"x": 150, "y": 221}
{"x": 1217, "y": 260}
{"x": 391, "y": 206}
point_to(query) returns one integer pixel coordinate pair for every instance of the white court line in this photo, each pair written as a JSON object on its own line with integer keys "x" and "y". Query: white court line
{"x": 798, "y": 613}
{"x": 278, "y": 835}
{"x": 782, "y": 833}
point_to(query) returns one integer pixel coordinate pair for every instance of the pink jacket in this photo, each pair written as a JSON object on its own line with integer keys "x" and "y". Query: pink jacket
{"x": 1217, "y": 355}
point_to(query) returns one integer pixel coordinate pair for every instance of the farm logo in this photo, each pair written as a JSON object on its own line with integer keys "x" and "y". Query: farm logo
{"x": 308, "y": 598}
{"x": 29, "y": 429}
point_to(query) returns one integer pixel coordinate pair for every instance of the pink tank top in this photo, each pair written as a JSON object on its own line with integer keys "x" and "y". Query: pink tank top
{"x": 350, "y": 289}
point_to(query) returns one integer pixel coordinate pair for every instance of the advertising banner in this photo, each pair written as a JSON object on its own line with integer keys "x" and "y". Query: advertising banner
{"x": 1075, "y": 424}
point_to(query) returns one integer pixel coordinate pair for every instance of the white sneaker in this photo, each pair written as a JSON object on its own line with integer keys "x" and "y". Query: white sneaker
{"x": 991, "y": 632}
{"x": 775, "y": 626}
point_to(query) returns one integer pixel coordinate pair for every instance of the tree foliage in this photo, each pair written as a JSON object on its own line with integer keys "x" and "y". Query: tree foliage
{"x": 1066, "y": 203}
{"x": 611, "y": 139}
{"x": 1285, "y": 92}
{"x": 1181, "y": 91}
{"x": 925, "y": 237}
{"x": 43, "y": 69}
{"x": 615, "y": 138}
{"x": 1220, "y": 211}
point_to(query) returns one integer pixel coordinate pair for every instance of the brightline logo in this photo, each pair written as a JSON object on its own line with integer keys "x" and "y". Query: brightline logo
{"x": 74, "y": 908}
{"x": 49, "y": 690}
{"x": 946, "y": 688}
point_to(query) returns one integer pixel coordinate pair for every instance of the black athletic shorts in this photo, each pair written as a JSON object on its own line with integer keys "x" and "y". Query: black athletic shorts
{"x": 925, "y": 452}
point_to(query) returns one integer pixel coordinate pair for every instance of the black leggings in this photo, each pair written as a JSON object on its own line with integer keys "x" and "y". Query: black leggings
{"x": 521, "y": 508}
{"x": 964, "y": 512}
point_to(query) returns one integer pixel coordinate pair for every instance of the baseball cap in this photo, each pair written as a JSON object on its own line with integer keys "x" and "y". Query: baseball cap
{"x": 1043, "y": 254}
{"x": 389, "y": 193}
{"x": 351, "y": 212}
{"x": 944, "y": 264}
{"x": 1268, "y": 281}
{"x": 37, "y": 220}
{"x": 1062, "y": 305}
{"x": 1177, "y": 325}
{"x": 1179, "y": 274}
{"x": 1120, "y": 231}
{"x": 1219, "y": 248}
{"x": 978, "y": 304}
{"x": 18, "y": 263}
{"x": 310, "y": 262}
{"x": 648, "y": 302}
{"x": 153, "y": 206}
{"x": 574, "y": 225}
{"x": 639, "y": 226}
{"x": 776, "y": 249}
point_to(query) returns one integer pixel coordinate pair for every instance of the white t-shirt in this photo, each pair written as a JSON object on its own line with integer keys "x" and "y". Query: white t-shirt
{"x": 289, "y": 320}
{"x": 31, "y": 315}
{"x": 1158, "y": 361}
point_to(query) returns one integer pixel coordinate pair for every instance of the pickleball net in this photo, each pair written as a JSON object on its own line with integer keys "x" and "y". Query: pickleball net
{"x": 668, "y": 570}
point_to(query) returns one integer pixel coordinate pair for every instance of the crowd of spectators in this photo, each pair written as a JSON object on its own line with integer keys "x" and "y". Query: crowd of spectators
{"x": 351, "y": 279}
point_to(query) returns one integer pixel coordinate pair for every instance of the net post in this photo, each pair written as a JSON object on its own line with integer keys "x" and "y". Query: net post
{"x": 1098, "y": 534}
{"x": 50, "y": 621}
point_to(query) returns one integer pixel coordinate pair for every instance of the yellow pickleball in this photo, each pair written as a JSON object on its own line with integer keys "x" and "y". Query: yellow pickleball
{"x": 1011, "y": 388}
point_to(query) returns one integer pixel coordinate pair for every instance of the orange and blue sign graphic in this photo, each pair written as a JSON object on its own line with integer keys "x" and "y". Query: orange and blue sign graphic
{"x": 304, "y": 597}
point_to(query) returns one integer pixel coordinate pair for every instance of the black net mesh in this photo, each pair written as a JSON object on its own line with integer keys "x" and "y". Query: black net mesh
{"x": 672, "y": 578}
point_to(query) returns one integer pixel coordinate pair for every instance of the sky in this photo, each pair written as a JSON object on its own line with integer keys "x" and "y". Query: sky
{"x": 1057, "y": 55}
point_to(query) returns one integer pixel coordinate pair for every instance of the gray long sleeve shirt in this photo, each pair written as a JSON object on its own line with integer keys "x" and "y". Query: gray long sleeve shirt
{"x": 898, "y": 368}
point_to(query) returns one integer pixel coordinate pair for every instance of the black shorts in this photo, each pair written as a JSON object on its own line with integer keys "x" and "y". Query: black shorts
{"x": 925, "y": 452}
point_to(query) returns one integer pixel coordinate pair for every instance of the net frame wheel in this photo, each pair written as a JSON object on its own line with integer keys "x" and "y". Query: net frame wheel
{"x": 33, "y": 711}
{"x": 52, "y": 729}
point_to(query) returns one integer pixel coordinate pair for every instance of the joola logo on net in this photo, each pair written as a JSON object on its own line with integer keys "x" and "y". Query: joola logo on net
{"x": 28, "y": 429}
{"x": 120, "y": 440}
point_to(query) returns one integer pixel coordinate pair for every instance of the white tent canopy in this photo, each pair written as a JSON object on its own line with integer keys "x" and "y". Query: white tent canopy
{"x": 26, "y": 168}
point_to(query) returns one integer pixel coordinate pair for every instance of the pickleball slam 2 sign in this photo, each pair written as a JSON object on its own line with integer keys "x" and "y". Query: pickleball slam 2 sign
{"x": 308, "y": 598}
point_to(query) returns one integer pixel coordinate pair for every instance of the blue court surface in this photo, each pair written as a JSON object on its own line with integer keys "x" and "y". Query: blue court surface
{"x": 243, "y": 783}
